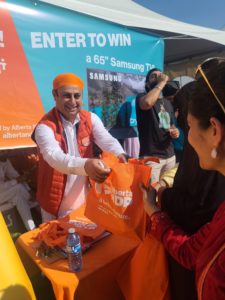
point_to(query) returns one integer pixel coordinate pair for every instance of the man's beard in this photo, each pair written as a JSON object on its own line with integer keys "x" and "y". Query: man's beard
{"x": 150, "y": 86}
{"x": 153, "y": 84}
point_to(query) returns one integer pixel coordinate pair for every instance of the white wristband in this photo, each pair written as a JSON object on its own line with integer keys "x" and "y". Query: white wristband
{"x": 158, "y": 87}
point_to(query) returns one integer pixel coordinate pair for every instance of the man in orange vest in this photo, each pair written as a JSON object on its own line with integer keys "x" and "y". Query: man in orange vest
{"x": 65, "y": 138}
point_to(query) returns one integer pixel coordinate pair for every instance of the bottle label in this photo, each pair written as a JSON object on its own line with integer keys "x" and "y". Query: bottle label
{"x": 73, "y": 249}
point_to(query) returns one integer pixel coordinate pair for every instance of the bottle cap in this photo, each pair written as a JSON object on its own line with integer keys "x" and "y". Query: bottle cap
{"x": 71, "y": 230}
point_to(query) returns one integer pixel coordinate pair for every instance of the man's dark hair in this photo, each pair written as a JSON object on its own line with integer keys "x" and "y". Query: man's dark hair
{"x": 150, "y": 72}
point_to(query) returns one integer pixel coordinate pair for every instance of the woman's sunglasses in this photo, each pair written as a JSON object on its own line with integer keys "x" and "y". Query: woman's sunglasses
{"x": 206, "y": 65}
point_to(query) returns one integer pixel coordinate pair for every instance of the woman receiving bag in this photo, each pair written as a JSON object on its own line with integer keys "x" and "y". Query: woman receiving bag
{"x": 204, "y": 251}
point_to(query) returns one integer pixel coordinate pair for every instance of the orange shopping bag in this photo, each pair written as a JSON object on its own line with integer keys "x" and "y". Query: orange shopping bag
{"x": 145, "y": 275}
{"x": 117, "y": 204}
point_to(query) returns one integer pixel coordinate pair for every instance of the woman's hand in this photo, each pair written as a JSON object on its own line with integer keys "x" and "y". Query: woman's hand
{"x": 160, "y": 187}
{"x": 149, "y": 198}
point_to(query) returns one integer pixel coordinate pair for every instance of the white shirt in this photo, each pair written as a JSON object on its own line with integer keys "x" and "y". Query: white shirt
{"x": 8, "y": 177}
{"x": 71, "y": 163}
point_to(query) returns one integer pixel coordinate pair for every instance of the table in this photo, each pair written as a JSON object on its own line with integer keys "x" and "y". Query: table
{"x": 97, "y": 280}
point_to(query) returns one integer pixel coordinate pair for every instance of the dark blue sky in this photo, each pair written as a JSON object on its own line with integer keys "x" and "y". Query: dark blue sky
{"x": 208, "y": 13}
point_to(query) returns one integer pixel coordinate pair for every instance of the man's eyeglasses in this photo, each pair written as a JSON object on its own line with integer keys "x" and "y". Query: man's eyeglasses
{"x": 199, "y": 70}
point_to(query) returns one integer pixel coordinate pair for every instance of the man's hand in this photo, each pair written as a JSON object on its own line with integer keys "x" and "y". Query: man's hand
{"x": 174, "y": 132}
{"x": 97, "y": 170}
{"x": 162, "y": 78}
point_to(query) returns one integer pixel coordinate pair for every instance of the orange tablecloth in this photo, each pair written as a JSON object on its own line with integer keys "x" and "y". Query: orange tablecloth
{"x": 101, "y": 263}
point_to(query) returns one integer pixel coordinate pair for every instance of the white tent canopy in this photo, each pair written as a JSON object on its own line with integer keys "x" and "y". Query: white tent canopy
{"x": 182, "y": 40}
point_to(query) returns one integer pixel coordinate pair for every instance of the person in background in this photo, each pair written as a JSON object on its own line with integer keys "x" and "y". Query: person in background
{"x": 171, "y": 91}
{"x": 203, "y": 251}
{"x": 155, "y": 122}
{"x": 65, "y": 138}
{"x": 14, "y": 190}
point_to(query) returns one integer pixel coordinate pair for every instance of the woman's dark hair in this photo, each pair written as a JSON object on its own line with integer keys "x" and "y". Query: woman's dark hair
{"x": 181, "y": 101}
{"x": 203, "y": 104}
{"x": 208, "y": 64}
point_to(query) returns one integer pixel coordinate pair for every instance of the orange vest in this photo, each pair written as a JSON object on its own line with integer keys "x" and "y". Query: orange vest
{"x": 51, "y": 183}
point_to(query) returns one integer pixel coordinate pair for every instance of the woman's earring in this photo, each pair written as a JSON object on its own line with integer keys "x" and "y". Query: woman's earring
{"x": 214, "y": 153}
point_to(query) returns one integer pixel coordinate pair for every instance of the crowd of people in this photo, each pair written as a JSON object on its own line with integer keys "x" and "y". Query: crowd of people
{"x": 184, "y": 125}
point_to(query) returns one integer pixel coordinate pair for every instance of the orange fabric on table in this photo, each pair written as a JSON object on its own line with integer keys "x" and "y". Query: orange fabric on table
{"x": 54, "y": 233}
{"x": 97, "y": 280}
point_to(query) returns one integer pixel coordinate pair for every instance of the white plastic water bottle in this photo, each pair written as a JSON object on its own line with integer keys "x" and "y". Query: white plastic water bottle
{"x": 74, "y": 251}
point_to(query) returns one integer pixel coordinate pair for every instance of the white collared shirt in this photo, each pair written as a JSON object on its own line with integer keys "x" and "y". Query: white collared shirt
{"x": 71, "y": 163}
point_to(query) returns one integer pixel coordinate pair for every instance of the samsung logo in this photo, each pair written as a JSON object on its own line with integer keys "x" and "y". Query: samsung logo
{"x": 105, "y": 76}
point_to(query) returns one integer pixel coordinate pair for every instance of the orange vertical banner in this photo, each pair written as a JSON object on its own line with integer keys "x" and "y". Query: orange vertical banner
{"x": 21, "y": 106}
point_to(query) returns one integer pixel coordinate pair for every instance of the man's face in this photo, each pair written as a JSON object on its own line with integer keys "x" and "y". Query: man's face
{"x": 153, "y": 79}
{"x": 154, "y": 76}
{"x": 68, "y": 101}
